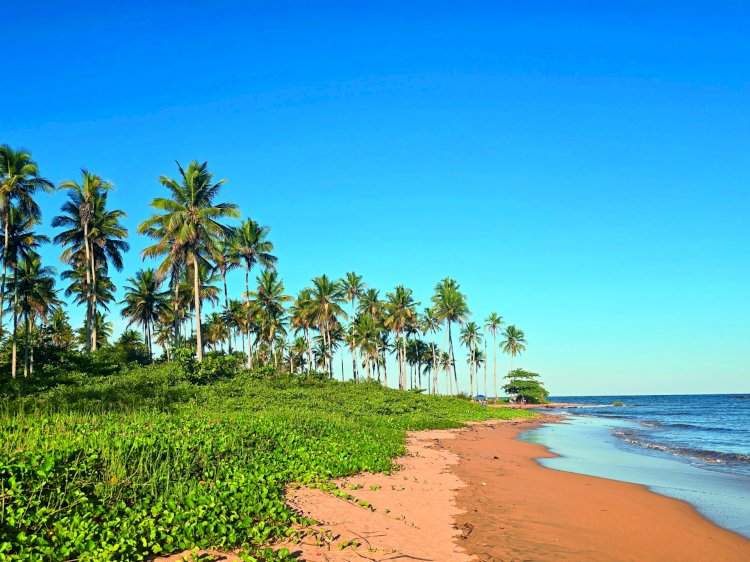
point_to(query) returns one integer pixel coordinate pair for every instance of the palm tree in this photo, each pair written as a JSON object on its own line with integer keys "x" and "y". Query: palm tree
{"x": 400, "y": 313}
{"x": 353, "y": 288}
{"x": 93, "y": 236}
{"x": 188, "y": 226}
{"x": 492, "y": 324}
{"x": 19, "y": 181}
{"x": 21, "y": 246}
{"x": 226, "y": 261}
{"x": 470, "y": 337}
{"x": 431, "y": 324}
{"x": 144, "y": 303}
{"x": 103, "y": 331}
{"x": 252, "y": 247}
{"x": 303, "y": 319}
{"x": 514, "y": 342}
{"x": 326, "y": 297}
{"x": 60, "y": 329}
{"x": 450, "y": 307}
{"x": 269, "y": 299}
{"x": 34, "y": 286}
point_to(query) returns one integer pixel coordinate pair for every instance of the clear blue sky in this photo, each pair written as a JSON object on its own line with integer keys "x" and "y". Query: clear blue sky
{"x": 584, "y": 172}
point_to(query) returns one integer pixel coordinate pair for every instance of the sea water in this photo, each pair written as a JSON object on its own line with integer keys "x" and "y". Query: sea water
{"x": 694, "y": 448}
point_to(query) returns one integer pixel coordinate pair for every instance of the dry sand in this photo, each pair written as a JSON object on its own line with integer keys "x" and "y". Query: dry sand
{"x": 477, "y": 494}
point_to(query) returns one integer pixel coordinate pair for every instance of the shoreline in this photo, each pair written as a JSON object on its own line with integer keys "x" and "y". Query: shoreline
{"x": 520, "y": 510}
{"x": 478, "y": 493}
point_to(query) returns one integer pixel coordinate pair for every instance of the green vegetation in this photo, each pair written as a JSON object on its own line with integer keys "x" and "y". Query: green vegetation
{"x": 526, "y": 386}
{"x": 617, "y": 403}
{"x": 167, "y": 457}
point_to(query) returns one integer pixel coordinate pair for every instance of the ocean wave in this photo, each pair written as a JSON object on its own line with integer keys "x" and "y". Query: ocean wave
{"x": 713, "y": 457}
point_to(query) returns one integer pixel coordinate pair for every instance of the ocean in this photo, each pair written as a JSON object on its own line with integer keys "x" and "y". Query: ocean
{"x": 691, "y": 447}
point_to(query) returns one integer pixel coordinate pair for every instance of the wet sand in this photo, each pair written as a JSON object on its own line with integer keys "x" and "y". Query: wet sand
{"x": 478, "y": 494}
{"x": 518, "y": 510}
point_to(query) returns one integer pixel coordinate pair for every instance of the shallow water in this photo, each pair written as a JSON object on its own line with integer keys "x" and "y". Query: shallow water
{"x": 594, "y": 445}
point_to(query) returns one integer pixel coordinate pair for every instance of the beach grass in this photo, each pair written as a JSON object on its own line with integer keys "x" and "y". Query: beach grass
{"x": 146, "y": 462}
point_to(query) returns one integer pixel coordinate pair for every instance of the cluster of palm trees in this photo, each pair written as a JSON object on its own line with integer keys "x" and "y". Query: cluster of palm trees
{"x": 196, "y": 248}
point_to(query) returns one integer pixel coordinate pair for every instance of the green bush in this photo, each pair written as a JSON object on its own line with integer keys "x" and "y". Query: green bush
{"x": 525, "y": 385}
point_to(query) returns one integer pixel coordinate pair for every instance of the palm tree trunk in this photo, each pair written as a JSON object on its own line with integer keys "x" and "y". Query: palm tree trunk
{"x": 247, "y": 317}
{"x": 309, "y": 350}
{"x": 26, "y": 345}
{"x": 5, "y": 260}
{"x": 449, "y": 385}
{"x": 176, "y": 281}
{"x": 453, "y": 357}
{"x": 494, "y": 361}
{"x": 434, "y": 368}
{"x": 87, "y": 265}
{"x": 485, "y": 367}
{"x": 93, "y": 300}
{"x": 226, "y": 309}
{"x": 13, "y": 362}
{"x": 197, "y": 299}
{"x": 354, "y": 347}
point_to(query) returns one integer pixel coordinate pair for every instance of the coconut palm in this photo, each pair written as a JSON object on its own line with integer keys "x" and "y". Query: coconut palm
{"x": 450, "y": 307}
{"x": 22, "y": 243}
{"x": 226, "y": 260}
{"x": 514, "y": 343}
{"x": 399, "y": 314}
{"x": 431, "y": 324}
{"x": 144, "y": 303}
{"x": 34, "y": 287}
{"x": 326, "y": 297}
{"x": 187, "y": 226}
{"x": 93, "y": 235}
{"x": 269, "y": 299}
{"x": 60, "y": 330}
{"x": 492, "y": 324}
{"x": 103, "y": 331}
{"x": 353, "y": 288}
{"x": 19, "y": 182}
{"x": 252, "y": 247}
{"x": 470, "y": 337}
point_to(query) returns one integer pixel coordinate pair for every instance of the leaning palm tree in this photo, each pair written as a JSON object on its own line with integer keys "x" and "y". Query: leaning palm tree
{"x": 19, "y": 182}
{"x": 353, "y": 288}
{"x": 514, "y": 342}
{"x": 187, "y": 225}
{"x": 492, "y": 324}
{"x": 450, "y": 307}
{"x": 251, "y": 246}
{"x": 144, "y": 304}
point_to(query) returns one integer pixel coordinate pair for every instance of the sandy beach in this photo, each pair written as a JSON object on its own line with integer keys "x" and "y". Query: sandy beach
{"x": 478, "y": 494}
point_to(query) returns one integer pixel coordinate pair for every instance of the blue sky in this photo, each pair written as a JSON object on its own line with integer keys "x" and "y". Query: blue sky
{"x": 582, "y": 171}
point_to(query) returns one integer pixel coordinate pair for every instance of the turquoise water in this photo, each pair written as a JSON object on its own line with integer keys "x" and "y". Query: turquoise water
{"x": 590, "y": 445}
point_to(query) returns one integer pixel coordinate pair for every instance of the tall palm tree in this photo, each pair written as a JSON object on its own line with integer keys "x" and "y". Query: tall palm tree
{"x": 302, "y": 315}
{"x": 187, "y": 225}
{"x": 514, "y": 342}
{"x": 19, "y": 182}
{"x": 492, "y": 324}
{"x": 227, "y": 260}
{"x": 470, "y": 337}
{"x": 353, "y": 288}
{"x": 326, "y": 297}
{"x": 93, "y": 235}
{"x": 400, "y": 313}
{"x": 252, "y": 247}
{"x": 144, "y": 303}
{"x": 450, "y": 307}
